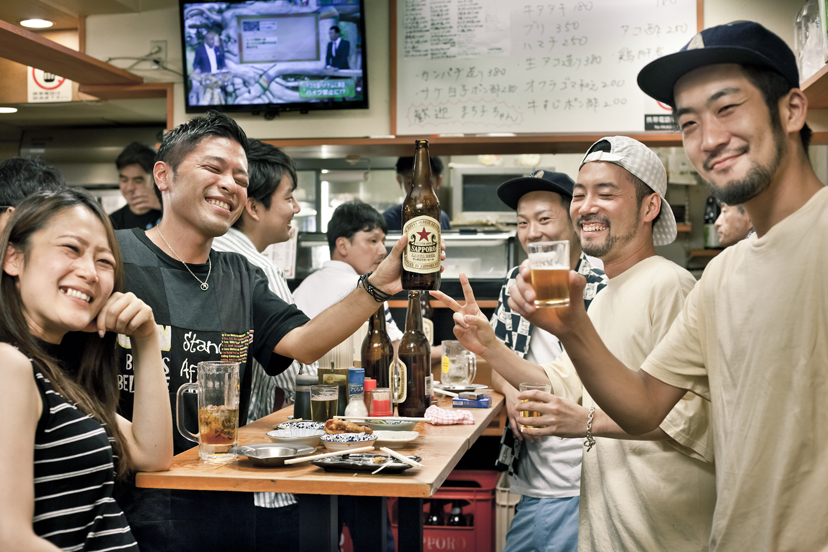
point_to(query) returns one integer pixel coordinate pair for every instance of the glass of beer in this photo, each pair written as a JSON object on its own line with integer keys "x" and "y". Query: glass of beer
{"x": 218, "y": 410}
{"x": 530, "y": 386}
{"x": 549, "y": 262}
{"x": 324, "y": 401}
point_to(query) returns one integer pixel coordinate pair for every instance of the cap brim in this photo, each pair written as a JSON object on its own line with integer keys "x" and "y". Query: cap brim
{"x": 658, "y": 78}
{"x": 665, "y": 230}
{"x": 511, "y": 191}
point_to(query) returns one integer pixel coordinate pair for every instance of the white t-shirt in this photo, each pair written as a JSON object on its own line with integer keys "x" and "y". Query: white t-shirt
{"x": 753, "y": 338}
{"x": 329, "y": 285}
{"x": 644, "y": 495}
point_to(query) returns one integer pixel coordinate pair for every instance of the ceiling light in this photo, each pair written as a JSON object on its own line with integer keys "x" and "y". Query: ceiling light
{"x": 8, "y": 110}
{"x": 37, "y": 23}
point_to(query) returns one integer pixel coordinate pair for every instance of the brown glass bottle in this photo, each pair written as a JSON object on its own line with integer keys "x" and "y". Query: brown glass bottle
{"x": 421, "y": 223}
{"x": 377, "y": 350}
{"x": 415, "y": 352}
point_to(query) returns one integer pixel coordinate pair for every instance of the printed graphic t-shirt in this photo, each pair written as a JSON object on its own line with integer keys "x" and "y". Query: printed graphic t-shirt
{"x": 237, "y": 316}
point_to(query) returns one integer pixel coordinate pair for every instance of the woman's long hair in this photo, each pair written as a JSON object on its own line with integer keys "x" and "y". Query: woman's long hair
{"x": 94, "y": 387}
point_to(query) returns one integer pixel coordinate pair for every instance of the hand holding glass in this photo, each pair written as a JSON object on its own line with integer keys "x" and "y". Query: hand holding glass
{"x": 528, "y": 386}
{"x": 549, "y": 263}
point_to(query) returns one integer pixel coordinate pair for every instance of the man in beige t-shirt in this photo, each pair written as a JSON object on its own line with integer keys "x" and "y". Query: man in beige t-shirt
{"x": 656, "y": 492}
{"x": 752, "y": 335}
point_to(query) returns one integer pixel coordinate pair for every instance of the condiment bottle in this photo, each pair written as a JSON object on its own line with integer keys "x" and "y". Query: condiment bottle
{"x": 370, "y": 385}
{"x": 415, "y": 352}
{"x": 421, "y": 224}
{"x": 356, "y": 386}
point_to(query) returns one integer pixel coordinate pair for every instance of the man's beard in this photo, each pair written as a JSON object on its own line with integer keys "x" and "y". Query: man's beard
{"x": 757, "y": 180}
{"x": 612, "y": 241}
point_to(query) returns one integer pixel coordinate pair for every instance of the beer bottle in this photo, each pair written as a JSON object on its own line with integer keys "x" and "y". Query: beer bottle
{"x": 428, "y": 317}
{"x": 421, "y": 225}
{"x": 415, "y": 352}
{"x": 377, "y": 351}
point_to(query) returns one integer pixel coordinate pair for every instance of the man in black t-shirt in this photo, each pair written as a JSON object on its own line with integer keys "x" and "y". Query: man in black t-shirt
{"x": 143, "y": 208}
{"x": 211, "y": 305}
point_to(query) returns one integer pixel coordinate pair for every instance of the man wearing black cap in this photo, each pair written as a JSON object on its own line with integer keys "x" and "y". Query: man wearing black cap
{"x": 751, "y": 338}
{"x": 546, "y": 472}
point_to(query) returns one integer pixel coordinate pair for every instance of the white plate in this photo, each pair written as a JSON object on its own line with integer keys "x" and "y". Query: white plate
{"x": 394, "y": 439}
{"x": 308, "y": 437}
{"x": 391, "y": 425}
{"x": 461, "y": 388}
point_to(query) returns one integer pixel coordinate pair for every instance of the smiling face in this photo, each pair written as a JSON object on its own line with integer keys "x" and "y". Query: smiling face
{"x": 283, "y": 207}
{"x": 364, "y": 251}
{"x": 208, "y": 191}
{"x": 605, "y": 210}
{"x": 68, "y": 275}
{"x": 137, "y": 188}
{"x": 728, "y": 133}
{"x": 542, "y": 217}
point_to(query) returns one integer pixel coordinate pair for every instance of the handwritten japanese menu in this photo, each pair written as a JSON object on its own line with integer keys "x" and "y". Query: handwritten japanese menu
{"x": 519, "y": 66}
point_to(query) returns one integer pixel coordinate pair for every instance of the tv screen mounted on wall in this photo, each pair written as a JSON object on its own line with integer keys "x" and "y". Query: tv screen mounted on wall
{"x": 271, "y": 56}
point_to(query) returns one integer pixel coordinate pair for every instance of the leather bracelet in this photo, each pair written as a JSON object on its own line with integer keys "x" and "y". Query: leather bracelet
{"x": 590, "y": 440}
{"x": 378, "y": 295}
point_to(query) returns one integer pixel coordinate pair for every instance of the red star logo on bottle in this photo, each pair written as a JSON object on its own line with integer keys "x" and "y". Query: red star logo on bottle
{"x": 423, "y": 235}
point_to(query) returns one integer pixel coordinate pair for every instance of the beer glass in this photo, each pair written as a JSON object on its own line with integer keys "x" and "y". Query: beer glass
{"x": 549, "y": 262}
{"x": 529, "y": 386}
{"x": 218, "y": 411}
{"x": 324, "y": 400}
{"x": 459, "y": 365}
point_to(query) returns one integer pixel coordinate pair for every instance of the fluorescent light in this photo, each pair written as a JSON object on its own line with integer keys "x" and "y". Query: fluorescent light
{"x": 37, "y": 23}
{"x": 8, "y": 110}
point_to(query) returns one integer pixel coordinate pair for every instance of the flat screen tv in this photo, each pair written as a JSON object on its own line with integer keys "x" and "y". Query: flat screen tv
{"x": 271, "y": 56}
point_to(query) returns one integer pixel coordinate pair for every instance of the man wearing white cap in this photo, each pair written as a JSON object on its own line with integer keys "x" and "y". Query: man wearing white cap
{"x": 656, "y": 492}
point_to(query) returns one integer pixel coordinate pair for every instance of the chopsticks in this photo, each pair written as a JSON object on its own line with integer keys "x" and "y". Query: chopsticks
{"x": 383, "y": 418}
{"x": 327, "y": 454}
{"x": 401, "y": 458}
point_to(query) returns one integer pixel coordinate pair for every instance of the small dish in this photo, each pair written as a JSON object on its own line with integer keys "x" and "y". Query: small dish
{"x": 295, "y": 436}
{"x": 344, "y": 441}
{"x": 391, "y": 425}
{"x": 269, "y": 455}
{"x": 394, "y": 439}
{"x": 364, "y": 462}
{"x": 304, "y": 424}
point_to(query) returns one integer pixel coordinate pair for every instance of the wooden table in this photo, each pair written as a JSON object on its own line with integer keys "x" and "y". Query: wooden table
{"x": 440, "y": 448}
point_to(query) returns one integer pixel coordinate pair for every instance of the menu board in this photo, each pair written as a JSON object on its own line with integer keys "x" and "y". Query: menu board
{"x": 567, "y": 66}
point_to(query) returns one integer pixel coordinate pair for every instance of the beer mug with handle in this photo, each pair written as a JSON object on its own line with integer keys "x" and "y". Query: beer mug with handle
{"x": 218, "y": 411}
{"x": 459, "y": 365}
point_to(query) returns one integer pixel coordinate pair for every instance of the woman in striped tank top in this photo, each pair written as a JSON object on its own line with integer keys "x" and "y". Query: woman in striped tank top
{"x": 64, "y": 442}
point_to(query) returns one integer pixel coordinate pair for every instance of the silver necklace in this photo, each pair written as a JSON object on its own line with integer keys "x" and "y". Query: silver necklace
{"x": 204, "y": 286}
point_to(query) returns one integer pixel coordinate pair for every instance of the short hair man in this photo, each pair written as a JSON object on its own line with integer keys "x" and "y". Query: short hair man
{"x": 20, "y": 178}
{"x": 209, "y": 56}
{"x": 733, "y": 224}
{"x": 338, "y": 49}
{"x": 211, "y": 305}
{"x": 546, "y": 472}
{"x": 143, "y": 208}
{"x": 658, "y": 493}
{"x": 356, "y": 239}
{"x": 751, "y": 338}
{"x": 265, "y": 220}
{"x": 405, "y": 177}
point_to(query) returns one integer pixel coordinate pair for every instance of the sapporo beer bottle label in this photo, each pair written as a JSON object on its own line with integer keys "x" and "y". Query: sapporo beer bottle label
{"x": 422, "y": 252}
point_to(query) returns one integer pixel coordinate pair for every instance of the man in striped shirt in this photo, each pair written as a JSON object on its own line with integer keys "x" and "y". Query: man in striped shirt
{"x": 266, "y": 220}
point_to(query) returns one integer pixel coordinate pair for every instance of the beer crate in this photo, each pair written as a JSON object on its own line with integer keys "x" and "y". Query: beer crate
{"x": 475, "y": 491}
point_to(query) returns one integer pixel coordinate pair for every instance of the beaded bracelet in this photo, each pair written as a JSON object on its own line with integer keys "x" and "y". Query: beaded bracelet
{"x": 590, "y": 440}
{"x": 378, "y": 295}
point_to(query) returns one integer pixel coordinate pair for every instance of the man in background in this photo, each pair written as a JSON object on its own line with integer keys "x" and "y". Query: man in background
{"x": 338, "y": 50}
{"x": 265, "y": 220}
{"x": 209, "y": 57}
{"x": 545, "y": 472}
{"x": 20, "y": 178}
{"x": 405, "y": 177}
{"x": 143, "y": 208}
{"x": 733, "y": 224}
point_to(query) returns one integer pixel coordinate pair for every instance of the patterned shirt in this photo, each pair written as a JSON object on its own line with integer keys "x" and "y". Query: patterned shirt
{"x": 516, "y": 332}
{"x": 263, "y": 388}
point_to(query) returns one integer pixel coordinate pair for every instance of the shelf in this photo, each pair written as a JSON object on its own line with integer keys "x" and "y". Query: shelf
{"x": 816, "y": 89}
{"x": 28, "y": 48}
{"x": 684, "y": 227}
{"x": 708, "y": 253}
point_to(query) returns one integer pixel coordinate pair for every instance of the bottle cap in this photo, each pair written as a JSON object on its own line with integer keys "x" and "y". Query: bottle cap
{"x": 370, "y": 383}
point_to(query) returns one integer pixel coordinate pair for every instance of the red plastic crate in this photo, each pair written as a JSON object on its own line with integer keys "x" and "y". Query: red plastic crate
{"x": 477, "y": 487}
